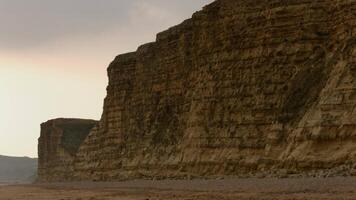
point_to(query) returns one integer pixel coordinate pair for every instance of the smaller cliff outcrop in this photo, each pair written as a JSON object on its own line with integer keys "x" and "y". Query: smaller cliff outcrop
{"x": 57, "y": 146}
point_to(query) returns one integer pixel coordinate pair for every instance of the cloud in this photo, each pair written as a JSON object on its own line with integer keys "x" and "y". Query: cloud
{"x": 28, "y": 23}
{"x": 32, "y": 23}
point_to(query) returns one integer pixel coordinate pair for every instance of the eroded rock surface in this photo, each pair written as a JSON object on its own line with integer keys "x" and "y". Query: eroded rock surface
{"x": 57, "y": 147}
{"x": 244, "y": 88}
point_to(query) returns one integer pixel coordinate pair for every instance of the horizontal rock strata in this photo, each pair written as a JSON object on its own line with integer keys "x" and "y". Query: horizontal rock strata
{"x": 242, "y": 88}
{"x": 57, "y": 147}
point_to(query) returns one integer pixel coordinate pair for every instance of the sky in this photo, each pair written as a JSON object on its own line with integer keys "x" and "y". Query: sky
{"x": 54, "y": 55}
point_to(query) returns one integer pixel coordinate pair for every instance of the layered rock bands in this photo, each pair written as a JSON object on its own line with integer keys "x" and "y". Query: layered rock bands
{"x": 242, "y": 88}
{"x": 57, "y": 147}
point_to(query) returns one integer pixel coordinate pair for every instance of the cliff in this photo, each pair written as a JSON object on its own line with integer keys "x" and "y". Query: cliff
{"x": 57, "y": 146}
{"x": 243, "y": 88}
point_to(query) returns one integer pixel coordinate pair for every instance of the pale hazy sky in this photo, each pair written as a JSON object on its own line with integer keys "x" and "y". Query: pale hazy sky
{"x": 54, "y": 55}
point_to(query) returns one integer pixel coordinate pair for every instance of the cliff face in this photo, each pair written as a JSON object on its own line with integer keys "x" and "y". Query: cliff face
{"x": 57, "y": 146}
{"x": 242, "y": 88}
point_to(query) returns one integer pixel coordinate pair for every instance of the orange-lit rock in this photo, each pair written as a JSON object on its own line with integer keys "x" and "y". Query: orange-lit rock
{"x": 243, "y": 88}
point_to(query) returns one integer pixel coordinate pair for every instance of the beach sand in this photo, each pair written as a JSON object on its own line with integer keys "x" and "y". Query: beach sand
{"x": 227, "y": 189}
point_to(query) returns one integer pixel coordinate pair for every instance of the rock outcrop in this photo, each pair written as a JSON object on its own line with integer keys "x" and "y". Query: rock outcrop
{"x": 242, "y": 88}
{"x": 57, "y": 146}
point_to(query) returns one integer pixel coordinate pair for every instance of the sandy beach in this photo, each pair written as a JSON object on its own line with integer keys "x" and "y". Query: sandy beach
{"x": 267, "y": 189}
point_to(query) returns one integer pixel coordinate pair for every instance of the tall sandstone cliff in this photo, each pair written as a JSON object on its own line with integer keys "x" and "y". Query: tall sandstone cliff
{"x": 244, "y": 87}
